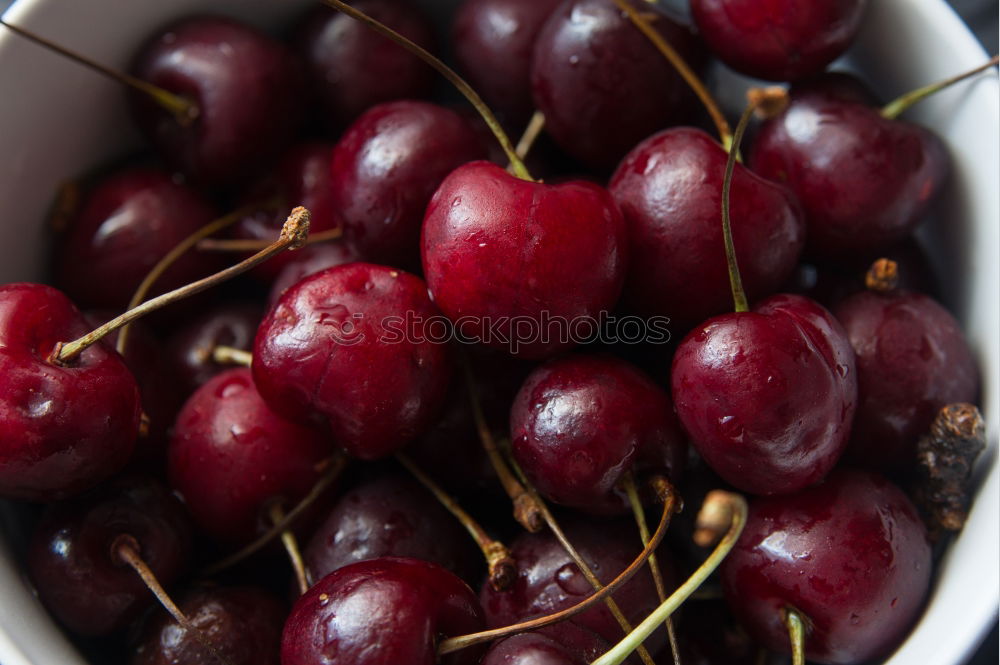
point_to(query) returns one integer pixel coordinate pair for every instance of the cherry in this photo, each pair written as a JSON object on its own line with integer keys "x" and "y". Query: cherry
{"x": 849, "y": 555}
{"x": 351, "y": 69}
{"x": 494, "y": 41}
{"x": 387, "y": 166}
{"x": 580, "y": 423}
{"x": 600, "y": 83}
{"x": 190, "y": 348}
{"x": 530, "y": 649}
{"x": 353, "y": 346}
{"x": 124, "y": 227}
{"x": 63, "y": 428}
{"x": 864, "y": 180}
{"x": 72, "y": 556}
{"x": 767, "y": 396}
{"x": 500, "y": 252}
{"x": 243, "y": 625}
{"x": 230, "y": 456}
{"x": 246, "y": 88}
{"x": 390, "y": 515}
{"x": 388, "y": 610}
{"x": 779, "y": 40}
{"x": 308, "y": 261}
{"x": 669, "y": 190}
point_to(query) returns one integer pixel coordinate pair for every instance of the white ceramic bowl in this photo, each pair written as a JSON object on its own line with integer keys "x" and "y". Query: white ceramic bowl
{"x": 58, "y": 120}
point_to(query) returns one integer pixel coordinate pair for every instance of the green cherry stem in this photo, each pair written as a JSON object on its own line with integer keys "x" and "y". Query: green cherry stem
{"x": 894, "y": 108}
{"x": 735, "y": 281}
{"x": 531, "y": 134}
{"x": 291, "y": 544}
{"x": 796, "y": 634}
{"x": 517, "y": 164}
{"x": 227, "y": 355}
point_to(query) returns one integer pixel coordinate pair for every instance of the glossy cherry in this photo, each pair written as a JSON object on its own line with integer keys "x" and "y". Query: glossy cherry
{"x": 232, "y": 324}
{"x": 778, "y": 40}
{"x": 580, "y": 423}
{"x": 246, "y": 87}
{"x": 243, "y": 625}
{"x": 387, "y": 166}
{"x": 864, "y": 181}
{"x": 514, "y": 262}
{"x": 355, "y": 347}
{"x": 308, "y": 261}
{"x": 530, "y": 649}
{"x": 850, "y": 555}
{"x": 73, "y": 565}
{"x": 389, "y": 610}
{"x": 351, "y": 68}
{"x": 669, "y": 189}
{"x": 768, "y": 396}
{"x": 231, "y": 456}
{"x": 63, "y": 429}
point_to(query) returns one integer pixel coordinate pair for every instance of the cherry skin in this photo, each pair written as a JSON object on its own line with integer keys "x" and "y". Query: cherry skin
{"x": 530, "y": 649}
{"x": 601, "y": 83}
{"x": 63, "y": 428}
{"x": 912, "y": 361}
{"x": 387, "y": 166}
{"x": 778, "y": 40}
{"x": 231, "y": 456}
{"x": 127, "y": 223}
{"x": 499, "y": 252}
{"x": 382, "y": 612}
{"x": 494, "y": 41}
{"x": 580, "y": 423}
{"x": 851, "y": 555}
{"x": 355, "y": 346}
{"x": 72, "y": 563}
{"x": 351, "y": 68}
{"x": 390, "y": 515}
{"x": 864, "y": 181}
{"x": 669, "y": 189}
{"x": 768, "y": 396}
{"x": 243, "y": 625}
{"x": 246, "y": 87}
{"x": 309, "y": 261}
{"x": 190, "y": 348}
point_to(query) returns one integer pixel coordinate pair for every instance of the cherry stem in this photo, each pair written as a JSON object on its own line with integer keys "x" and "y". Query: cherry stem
{"x": 628, "y": 482}
{"x": 171, "y": 257}
{"x": 526, "y": 510}
{"x": 184, "y": 110}
{"x": 883, "y": 276}
{"x": 735, "y": 281}
{"x": 796, "y": 634}
{"x": 736, "y": 506}
{"x": 291, "y": 544}
{"x": 897, "y": 106}
{"x": 692, "y": 79}
{"x": 255, "y": 245}
{"x": 334, "y": 467}
{"x": 520, "y": 170}
{"x": 228, "y": 355}
{"x": 531, "y": 134}
{"x": 293, "y": 235}
{"x": 502, "y": 567}
{"x": 453, "y": 644}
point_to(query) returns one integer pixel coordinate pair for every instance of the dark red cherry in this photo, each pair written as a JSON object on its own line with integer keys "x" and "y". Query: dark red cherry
{"x": 243, "y": 625}
{"x": 127, "y": 223}
{"x": 850, "y": 555}
{"x": 231, "y": 456}
{"x": 390, "y": 515}
{"x": 389, "y": 610}
{"x": 548, "y": 580}
{"x": 514, "y": 262}
{"x": 669, "y": 189}
{"x": 72, "y": 562}
{"x": 246, "y": 87}
{"x": 530, "y": 649}
{"x": 864, "y": 181}
{"x": 601, "y": 83}
{"x": 387, "y": 166}
{"x": 356, "y": 346}
{"x": 351, "y": 68}
{"x": 768, "y": 396}
{"x": 912, "y": 361}
{"x": 63, "y": 429}
{"x": 308, "y": 261}
{"x": 580, "y": 423}
{"x": 190, "y": 348}
{"x": 778, "y": 40}
{"x": 494, "y": 41}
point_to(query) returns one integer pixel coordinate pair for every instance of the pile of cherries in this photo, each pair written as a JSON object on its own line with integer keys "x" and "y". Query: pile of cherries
{"x": 276, "y": 404}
